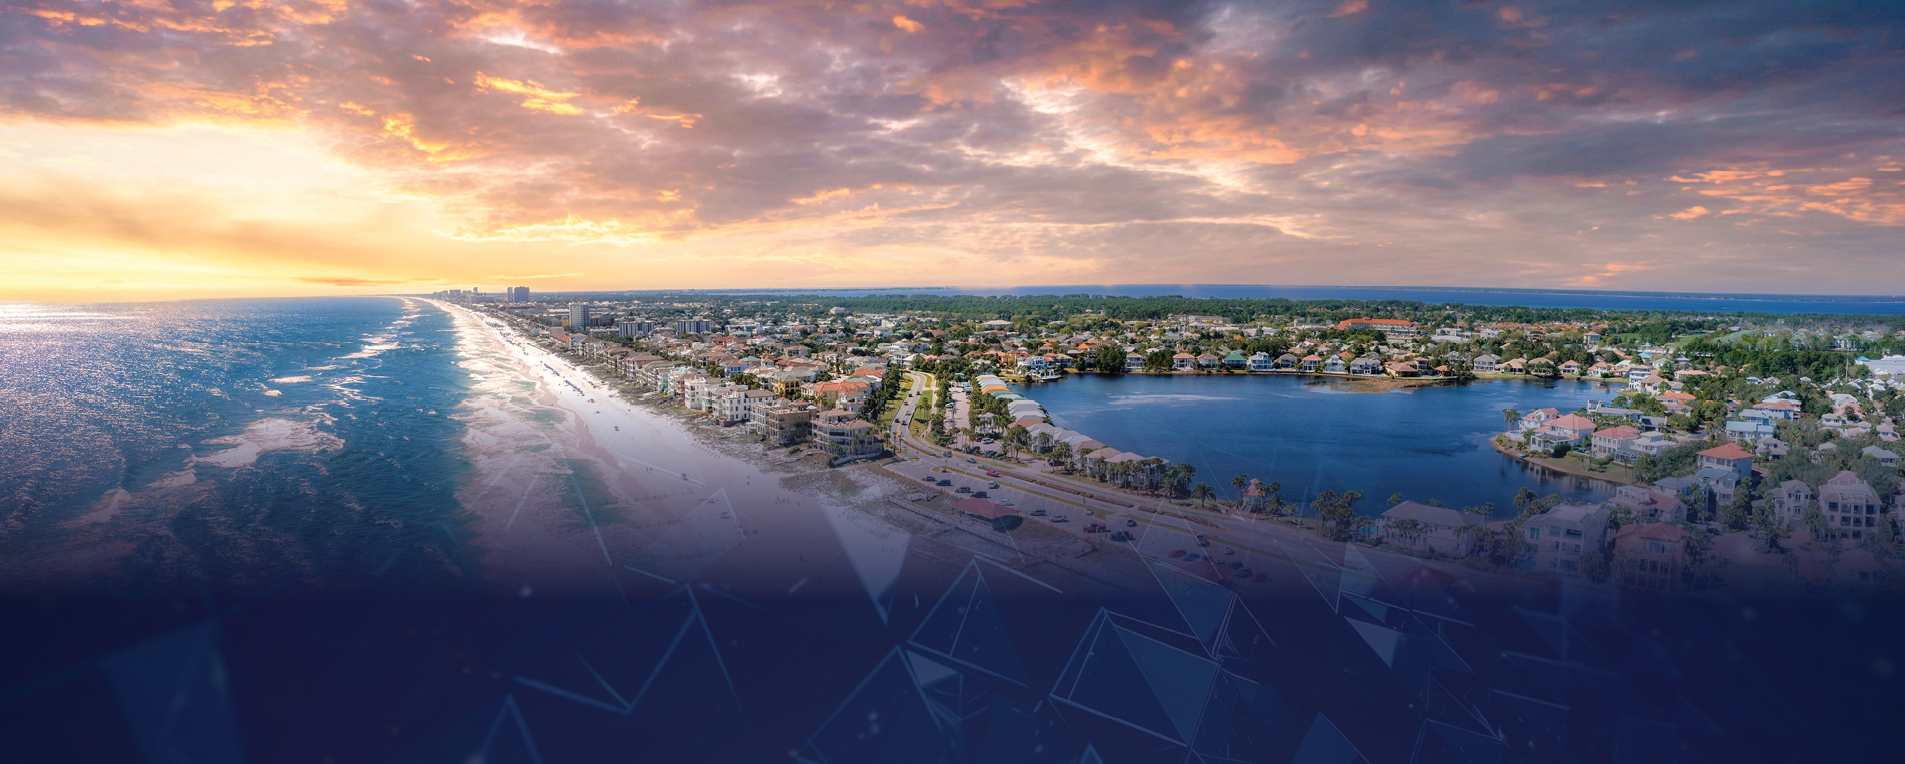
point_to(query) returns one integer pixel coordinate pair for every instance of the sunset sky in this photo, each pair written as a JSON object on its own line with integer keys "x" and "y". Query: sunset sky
{"x": 157, "y": 149}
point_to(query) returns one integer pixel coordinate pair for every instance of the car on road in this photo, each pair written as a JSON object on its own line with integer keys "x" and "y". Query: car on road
{"x": 945, "y": 453}
{"x": 1179, "y": 553}
{"x": 992, "y": 473}
{"x": 1006, "y": 503}
{"x": 927, "y": 478}
{"x": 1038, "y": 513}
{"x": 963, "y": 489}
{"x": 1228, "y": 550}
{"x": 1060, "y": 519}
{"x": 1201, "y": 541}
{"x": 1236, "y": 565}
{"x": 978, "y": 494}
{"x": 1091, "y": 512}
{"x": 1131, "y": 522}
{"x": 970, "y": 460}
{"x": 944, "y": 482}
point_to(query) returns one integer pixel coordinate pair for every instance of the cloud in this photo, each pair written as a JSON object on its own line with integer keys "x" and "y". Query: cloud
{"x": 1088, "y": 136}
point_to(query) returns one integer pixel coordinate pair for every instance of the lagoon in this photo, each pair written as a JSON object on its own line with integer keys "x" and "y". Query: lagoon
{"x": 1314, "y": 434}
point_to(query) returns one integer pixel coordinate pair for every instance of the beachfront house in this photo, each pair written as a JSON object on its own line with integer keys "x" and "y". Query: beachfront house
{"x": 1183, "y": 362}
{"x": 1209, "y": 360}
{"x": 1312, "y": 363}
{"x": 1649, "y": 556}
{"x": 1614, "y": 440}
{"x": 1133, "y": 362}
{"x": 1485, "y": 363}
{"x": 1850, "y": 505}
{"x": 1436, "y": 529}
{"x": 1288, "y": 361}
{"x": 1558, "y": 537}
{"x": 1335, "y": 365}
{"x": 1367, "y": 364}
{"x": 1261, "y": 361}
{"x": 845, "y": 434}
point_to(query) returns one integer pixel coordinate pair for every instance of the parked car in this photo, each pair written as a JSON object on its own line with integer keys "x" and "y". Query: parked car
{"x": 992, "y": 473}
{"x": 944, "y": 482}
{"x": 927, "y": 478}
{"x": 1038, "y": 513}
{"x": 963, "y": 489}
{"x": 1236, "y": 565}
{"x": 1179, "y": 553}
{"x": 1121, "y": 536}
{"x": 1228, "y": 550}
{"x": 1201, "y": 541}
{"x": 1131, "y": 522}
{"x": 978, "y": 494}
{"x": 1059, "y": 519}
{"x": 993, "y": 484}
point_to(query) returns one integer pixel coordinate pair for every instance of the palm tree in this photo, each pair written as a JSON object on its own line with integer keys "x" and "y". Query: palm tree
{"x": 1240, "y": 482}
{"x": 1511, "y": 416}
{"x": 1062, "y": 454}
{"x": 1200, "y": 492}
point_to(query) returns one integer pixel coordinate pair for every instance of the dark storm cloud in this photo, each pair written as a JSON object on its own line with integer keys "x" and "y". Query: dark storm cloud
{"x": 1002, "y": 122}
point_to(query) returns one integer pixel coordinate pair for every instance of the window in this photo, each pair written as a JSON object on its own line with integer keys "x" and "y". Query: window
{"x": 1535, "y": 532}
{"x": 1572, "y": 533}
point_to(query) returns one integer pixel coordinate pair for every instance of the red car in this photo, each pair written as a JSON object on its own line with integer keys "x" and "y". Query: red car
{"x": 992, "y": 473}
{"x": 1178, "y": 553}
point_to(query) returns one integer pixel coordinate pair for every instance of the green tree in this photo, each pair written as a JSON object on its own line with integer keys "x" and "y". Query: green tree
{"x": 1200, "y": 492}
{"x": 1511, "y": 416}
{"x": 1240, "y": 482}
{"x": 1108, "y": 360}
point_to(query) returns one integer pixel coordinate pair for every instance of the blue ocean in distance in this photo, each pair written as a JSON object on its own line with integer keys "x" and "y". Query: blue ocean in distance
{"x": 1533, "y": 298}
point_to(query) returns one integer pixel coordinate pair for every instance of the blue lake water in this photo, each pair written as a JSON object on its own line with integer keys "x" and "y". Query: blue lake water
{"x": 1312, "y": 435}
{"x": 1534, "y": 298}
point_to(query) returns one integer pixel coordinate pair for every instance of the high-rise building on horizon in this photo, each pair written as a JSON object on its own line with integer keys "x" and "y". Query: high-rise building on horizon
{"x": 693, "y": 326}
{"x": 579, "y": 316}
{"x": 519, "y": 294}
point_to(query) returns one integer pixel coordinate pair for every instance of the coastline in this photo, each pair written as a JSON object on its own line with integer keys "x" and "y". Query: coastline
{"x": 1549, "y": 463}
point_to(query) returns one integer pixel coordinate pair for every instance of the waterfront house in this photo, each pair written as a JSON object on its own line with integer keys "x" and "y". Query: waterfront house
{"x": 1577, "y": 426}
{"x": 1557, "y": 538}
{"x": 1312, "y": 362}
{"x": 1402, "y": 369}
{"x": 1649, "y": 556}
{"x": 1650, "y": 503}
{"x": 1536, "y": 418}
{"x": 1485, "y": 363}
{"x": 784, "y": 422}
{"x": 1368, "y": 364}
{"x": 1288, "y": 361}
{"x": 1728, "y": 457}
{"x": 1614, "y": 439}
{"x": 1335, "y": 365}
{"x": 1850, "y": 505}
{"x": 1261, "y": 361}
{"x": 1133, "y": 362}
{"x": 1438, "y": 529}
{"x": 846, "y": 434}
{"x": 1209, "y": 360}
{"x": 1183, "y": 362}
{"x": 1570, "y": 368}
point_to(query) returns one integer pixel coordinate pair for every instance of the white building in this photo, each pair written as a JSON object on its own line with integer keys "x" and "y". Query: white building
{"x": 1558, "y": 537}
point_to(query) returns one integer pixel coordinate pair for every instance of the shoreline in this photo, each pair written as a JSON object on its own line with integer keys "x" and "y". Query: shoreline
{"x": 1548, "y": 463}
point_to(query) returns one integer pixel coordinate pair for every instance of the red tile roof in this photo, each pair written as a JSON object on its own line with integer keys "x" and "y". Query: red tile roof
{"x": 1728, "y": 452}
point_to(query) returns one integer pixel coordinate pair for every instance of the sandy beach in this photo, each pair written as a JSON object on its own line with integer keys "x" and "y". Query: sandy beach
{"x": 575, "y": 482}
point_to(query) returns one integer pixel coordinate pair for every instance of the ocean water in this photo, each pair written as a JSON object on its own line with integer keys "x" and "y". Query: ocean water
{"x": 1534, "y": 298}
{"x": 231, "y": 445}
{"x": 1315, "y": 435}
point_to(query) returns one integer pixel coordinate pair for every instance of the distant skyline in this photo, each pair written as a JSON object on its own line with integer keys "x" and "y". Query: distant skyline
{"x": 251, "y": 148}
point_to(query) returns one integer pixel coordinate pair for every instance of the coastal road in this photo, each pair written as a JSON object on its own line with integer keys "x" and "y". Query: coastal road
{"x": 1163, "y": 528}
